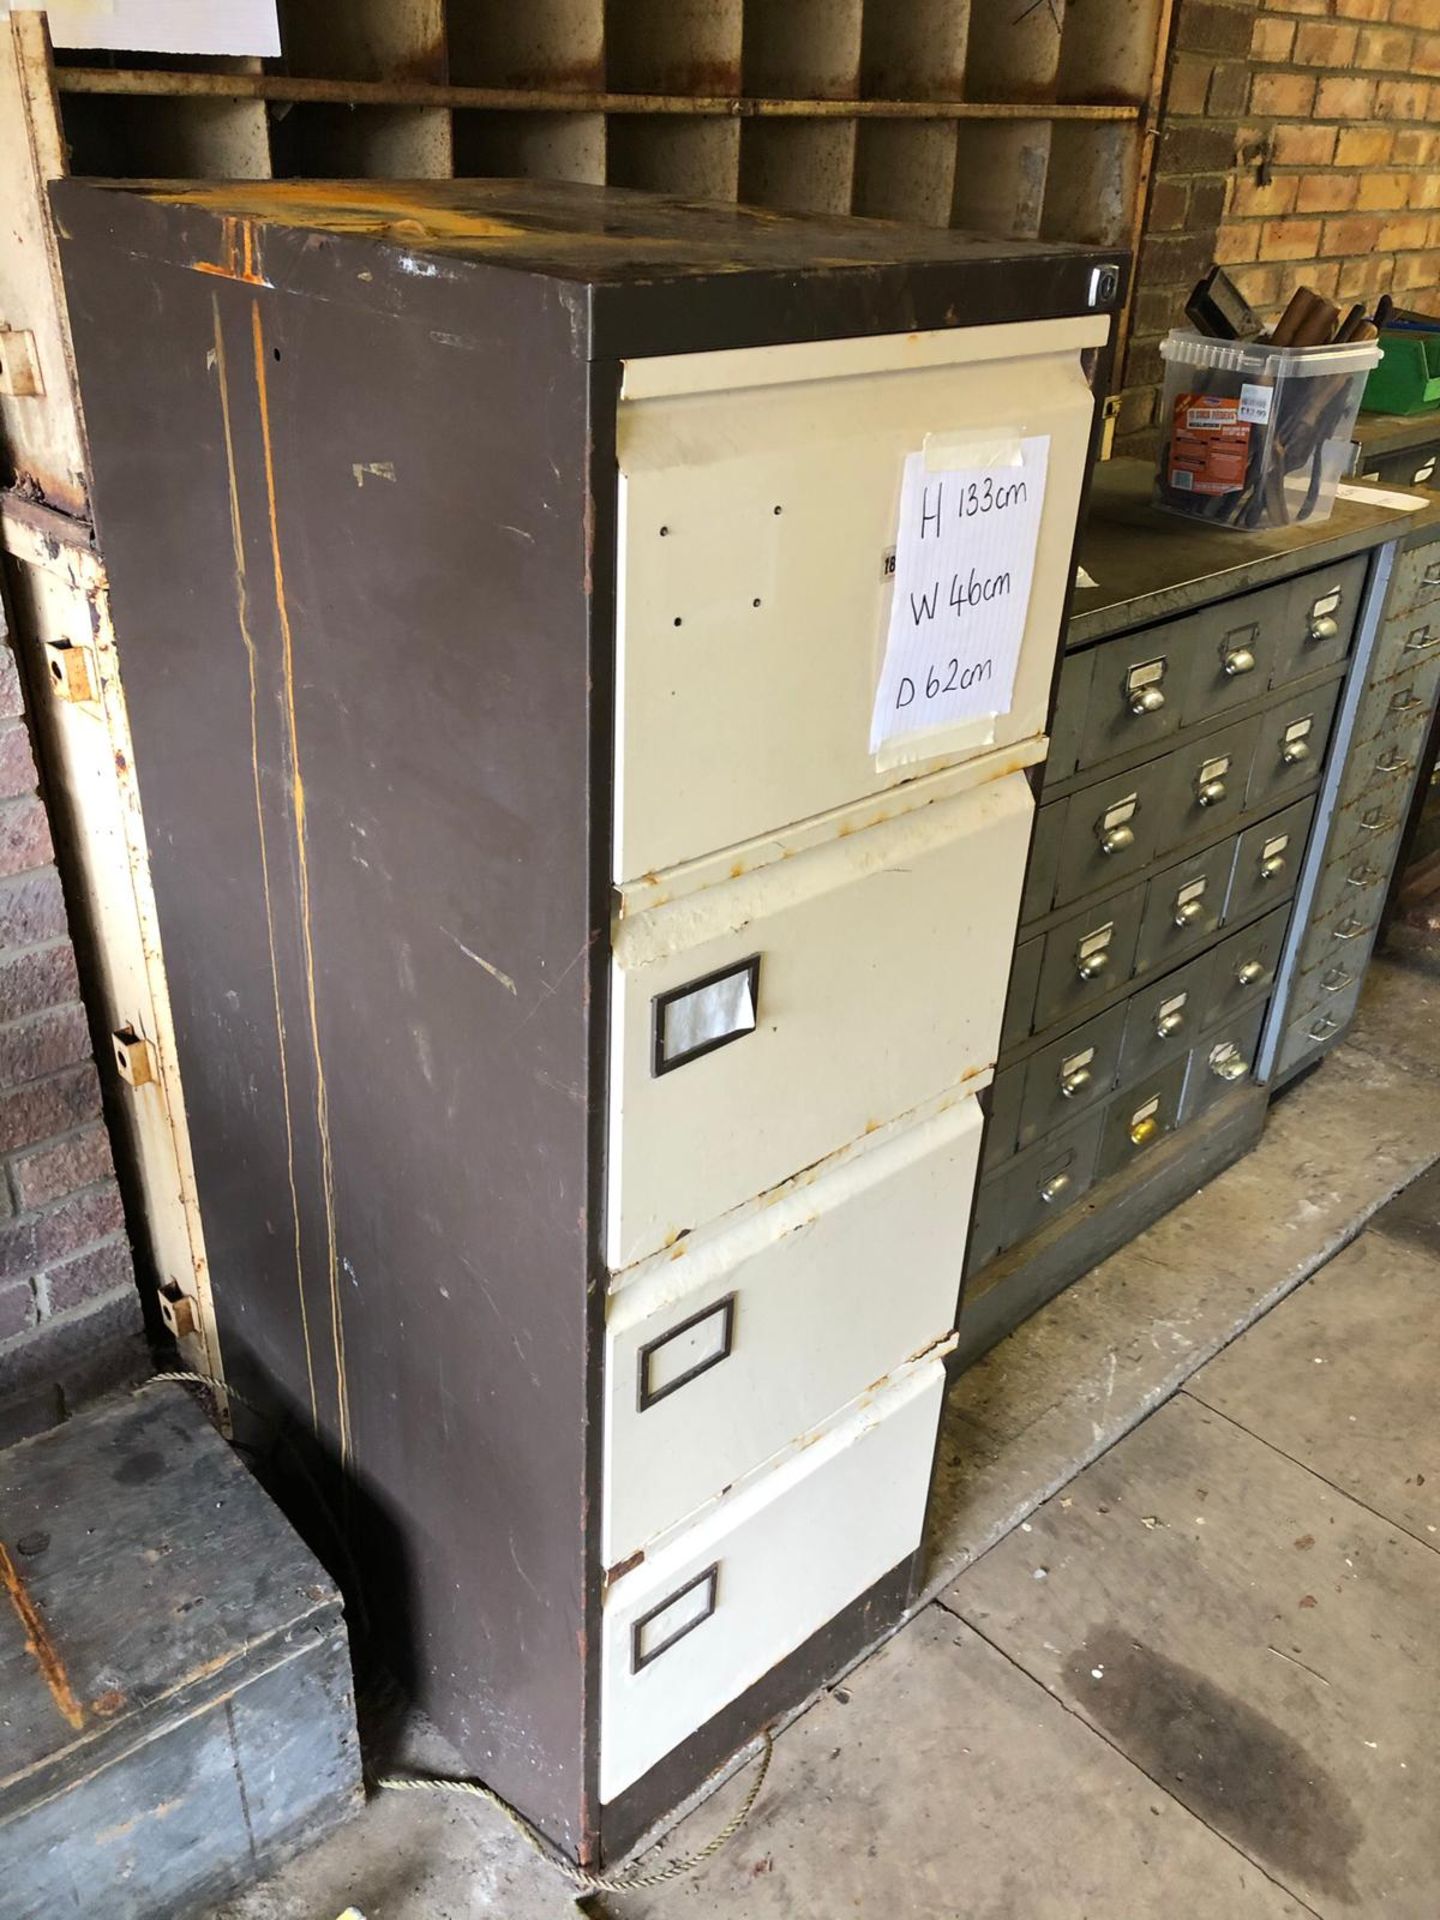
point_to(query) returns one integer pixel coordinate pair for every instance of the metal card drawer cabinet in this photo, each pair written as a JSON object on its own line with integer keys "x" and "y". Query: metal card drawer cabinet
{"x": 1002, "y": 1123}
{"x": 1233, "y": 650}
{"x": 1044, "y": 865}
{"x": 1184, "y": 905}
{"x": 1072, "y": 1073}
{"x": 1140, "y": 1116}
{"x": 1267, "y": 860}
{"x": 712, "y": 1611}
{"x": 1396, "y": 702}
{"x": 1206, "y": 781}
{"x": 1320, "y": 616}
{"x": 755, "y": 507}
{"x": 1290, "y": 751}
{"x": 1067, "y": 727}
{"x": 1221, "y": 1059}
{"x": 1086, "y": 955}
{"x": 1134, "y": 699}
{"x": 1415, "y": 581}
{"x": 745, "y": 1043}
{"x": 722, "y": 1351}
{"x": 1036, "y": 1187}
{"x": 1243, "y": 967}
{"x": 1109, "y": 832}
{"x": 1163, "y": 1018}
{"x": 1020, "y": 995}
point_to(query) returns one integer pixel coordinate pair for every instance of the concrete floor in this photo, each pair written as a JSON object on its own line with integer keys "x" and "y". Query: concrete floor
{"x": 1178, "y": 1649}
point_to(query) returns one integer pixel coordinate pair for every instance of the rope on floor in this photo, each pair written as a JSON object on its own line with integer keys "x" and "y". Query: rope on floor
{"x": 580, "y": 1878}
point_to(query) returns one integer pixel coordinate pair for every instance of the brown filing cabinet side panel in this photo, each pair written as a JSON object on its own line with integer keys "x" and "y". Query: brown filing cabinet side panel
{"x": 301, "y": 482}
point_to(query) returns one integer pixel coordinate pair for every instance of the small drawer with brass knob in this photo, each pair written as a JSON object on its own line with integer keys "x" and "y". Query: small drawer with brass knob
{"x": 1205, "y": 782}
{"x": 1132, "y": 697}
{"x": 1086, "y": 955}
{"x": 1291, "y": 751}
{"x": 1109, "y": 831}
{"x": 1163, "y": 1016}
{"x": 1319, "y": 621}
{"x": 1140, "y": 1116}
{"x": 1244, "y": 967}
{"x": 1070, "y": 1075}
{"x": 1183, "y": 905}
{"x": 1268, "y": 856}
{"x": 1221, "y": 1058}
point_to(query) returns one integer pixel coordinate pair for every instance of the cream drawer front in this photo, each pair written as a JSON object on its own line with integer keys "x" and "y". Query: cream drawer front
{"x": 758, "y": 498}
{"x": 769, "y": 1021}
{"x": 752, "y": 1334}
{"x": 692, "y": 1628}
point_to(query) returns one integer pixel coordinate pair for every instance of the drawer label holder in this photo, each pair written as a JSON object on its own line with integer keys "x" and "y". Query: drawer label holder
{"x": 688, "y": 1607}
{"x": 705, "y": 1014}
{"x": 683, "y": 1352}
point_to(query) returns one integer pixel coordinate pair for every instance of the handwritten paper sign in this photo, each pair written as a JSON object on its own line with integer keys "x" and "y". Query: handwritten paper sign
{"x": 964, "y": 557}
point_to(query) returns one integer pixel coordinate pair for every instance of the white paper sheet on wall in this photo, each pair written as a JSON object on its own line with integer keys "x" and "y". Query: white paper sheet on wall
{"x": 964, "y": 559}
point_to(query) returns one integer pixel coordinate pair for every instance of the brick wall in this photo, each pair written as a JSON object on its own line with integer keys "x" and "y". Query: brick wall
{"x": 1299, "y": 141}
{"x": 69, "y": 1310}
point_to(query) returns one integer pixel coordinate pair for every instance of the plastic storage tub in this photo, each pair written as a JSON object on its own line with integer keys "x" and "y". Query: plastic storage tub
{"x": 1257, "y": 436}
{"x": 1407, "y": 380}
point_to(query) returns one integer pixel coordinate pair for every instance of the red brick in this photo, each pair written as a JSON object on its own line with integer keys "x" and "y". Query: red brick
{"x": 1352, "y": 233}
{"x": 1401, "y": 99}
{"x": 50, "y": 1172}
{"x": 1410, "y": 230}
{"x": 32, "y": 908}
{"x": 12, "y": 700}
{"x": 17, "y": 1308}
{"x": 1271, "y": 39}
{"x": 101, "y": 1269}
{"x": 1364, "y": 146}
{"x": 1323, "y": 44}
{"x": 1277, "y": 196}
{"x": 38, "y": 977}
{"x": 24, "y": 835}
{"x": 1385, "y": 48}
{"x": 1384, "y": 191}
{"x": 77, "y": 1223}
{"x": 41, "y": 1044}
{"x": 1290, "y": 95}
{"x": 17, "y": 763}
{"x": 1304, "y": 146}
{"x": 1289, "y": 239}
{"x": 1327, "y": 192}
{"x": 45, "y": 1108}
{"x": 1341, "y": 97}
{"x": 1237, "y": 240}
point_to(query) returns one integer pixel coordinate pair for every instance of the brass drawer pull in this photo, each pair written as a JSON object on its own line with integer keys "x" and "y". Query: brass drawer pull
{"x": 1057, "y": 1184}
{"x": 1210, "y": 793}
{"x": 1169, "y": 1024}
{"x": 1227, "y": 1062}
{"x": 1075, "y": 1082}
{"x": 1239, "y": 660}
{"x": 1324, "y": 626}
{"x": 1294, "y": 751}
{"x": 1092, "y": 965}
{"x": 1251, "y": 972}
{"x": 1273, "y": 867}
{"x": 1187, "y": 912}
{"x": 1147, "y": 699}
{"x": 1117, "y": 839}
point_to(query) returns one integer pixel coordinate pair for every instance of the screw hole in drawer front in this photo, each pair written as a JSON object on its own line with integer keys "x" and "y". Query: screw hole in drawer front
{"x": 675, "y": 1358}
{"x": 704, "y": 1014}
{"x": 671, "y": 1619}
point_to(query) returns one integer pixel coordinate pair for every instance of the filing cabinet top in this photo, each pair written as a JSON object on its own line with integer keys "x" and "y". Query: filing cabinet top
{"x": 643, "y": 273}
{"x": 1149, "y": 565}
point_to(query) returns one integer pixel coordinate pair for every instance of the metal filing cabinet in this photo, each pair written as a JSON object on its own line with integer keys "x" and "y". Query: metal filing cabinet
{"x": 582, "y": 1032}
{"x": 1183, "y": 915}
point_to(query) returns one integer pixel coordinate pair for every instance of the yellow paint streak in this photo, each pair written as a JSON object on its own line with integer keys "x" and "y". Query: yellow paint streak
{"x": 302, "y": 857}
{"x": 39, "y": 1643}
{"x": 242, "y": 608}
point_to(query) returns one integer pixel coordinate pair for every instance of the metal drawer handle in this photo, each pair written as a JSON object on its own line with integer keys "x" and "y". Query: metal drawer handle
{"x": 1406, "y": 702}
{"x": 1431, "y": 575}
{"x": 1270, "y": 869}
{"x": 1091, "y": 965}
{"x": 1294, "y": 751}
{"x": 1117, "y": 839}
{"x": 1075, "y": 1082}
{"x": 1323, "y": 626}
{"x": 1146, "y": 699}
{"x": 1057, "y": 1184}
{"x": 1350, "y": 928}
{"x": 1169, "y": 1023}
{"x": 1336, "y": 980}
{"x": 1239, "y": 660}
{"x": 1251, "y": 972}
{"x": 1210, "y": 792}
{"x": 1142, "y": 1131}
{"x": 1393, "y": 762}
{"x": 1420, "y": 639}
{"x": 1378, "y": 826}
{"x": 1323, "y": 1027}
{"x": 1188, "y": 912}
{"x": 1227, "y": 1062}
{"x": 1362, "y": 876}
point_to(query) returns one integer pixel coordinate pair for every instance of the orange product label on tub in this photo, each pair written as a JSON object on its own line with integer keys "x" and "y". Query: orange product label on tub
{"x": 1209, "y": 445}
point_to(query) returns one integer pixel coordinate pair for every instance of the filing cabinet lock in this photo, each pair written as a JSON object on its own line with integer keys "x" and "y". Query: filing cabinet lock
{"x": 1092, "y": 955}
{"x": 1076, "y": 1074}
{"x": 1057, "y": 1184}
{"x": 1227, "y": 1062}
{"x": 1295, "y": 747}
{"x": 1210, "y": 782}
{"x": 1190, "y": 904}
{"x": 1170, "y": 1017}
{"x": 1145, "y": 1123}
{"x": 1143, "y": 689}
{"x": 1272, "y": 857}
{"x": 1250, "y": 972}
{"x": 1113, "y": 829}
